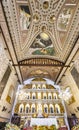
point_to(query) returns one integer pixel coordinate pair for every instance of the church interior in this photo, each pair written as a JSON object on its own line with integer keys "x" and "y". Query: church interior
{"x": 39, "y": 64}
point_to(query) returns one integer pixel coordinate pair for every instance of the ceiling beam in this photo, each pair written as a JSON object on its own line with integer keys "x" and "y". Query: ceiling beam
{"x": 57, "y": 65}
{"x": 40, "y": 62}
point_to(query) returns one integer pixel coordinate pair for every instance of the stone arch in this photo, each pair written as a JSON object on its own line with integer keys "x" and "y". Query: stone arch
{"x": 33, "y": 110}
{"x": 57, "y": 108}
{"x": 21, "y": 108}
{"x": 49, "y": 95}
{"x": 27, "y": 108}
{"x": 44, "y": 95}
{"x": 45, "y": 108}
{"x": 55, "y": 95}
{"x": 33, "y": 95}
{"x": 51, "y": 108}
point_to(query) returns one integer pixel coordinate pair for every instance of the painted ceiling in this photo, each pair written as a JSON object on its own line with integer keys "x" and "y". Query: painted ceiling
{"x": 42, "y": 29}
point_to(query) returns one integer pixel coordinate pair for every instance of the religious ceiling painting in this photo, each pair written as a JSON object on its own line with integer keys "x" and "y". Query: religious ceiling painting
{"x": 39, "y": 73}
{"x": 25, "y": 17}
{"x": 42, "y": 45}
{"x": 64, "y": 19}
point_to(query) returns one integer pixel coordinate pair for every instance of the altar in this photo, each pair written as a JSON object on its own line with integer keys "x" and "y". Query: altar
{"x": 43, "y": 122}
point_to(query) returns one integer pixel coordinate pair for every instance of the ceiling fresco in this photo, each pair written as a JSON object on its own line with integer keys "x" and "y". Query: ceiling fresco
{"x": 42, "y": 45}
{"x": 25, "y": 17}
{"x": 37, "y": 71}
{"x": 36, "y": 17}
{"x": 64, "y": 19}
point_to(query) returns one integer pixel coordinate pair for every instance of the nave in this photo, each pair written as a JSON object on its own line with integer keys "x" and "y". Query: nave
{"x": 39, "y": 64}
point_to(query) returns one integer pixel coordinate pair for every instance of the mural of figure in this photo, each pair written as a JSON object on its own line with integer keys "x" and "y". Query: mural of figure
{"x": 25, "y": 17}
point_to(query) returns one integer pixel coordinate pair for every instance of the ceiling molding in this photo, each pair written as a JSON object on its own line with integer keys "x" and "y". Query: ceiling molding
{"x": 11, "y": 40}
{"x": 40, "y": 62}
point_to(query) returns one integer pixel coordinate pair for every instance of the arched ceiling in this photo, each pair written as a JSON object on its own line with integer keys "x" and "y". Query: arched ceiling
{"x": 42, "y": 29}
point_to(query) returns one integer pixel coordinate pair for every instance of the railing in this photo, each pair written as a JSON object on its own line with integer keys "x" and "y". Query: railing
{"x": 40, "y": 100}
{"x": 40, "y": 90}
{"x": 49, "y": 114}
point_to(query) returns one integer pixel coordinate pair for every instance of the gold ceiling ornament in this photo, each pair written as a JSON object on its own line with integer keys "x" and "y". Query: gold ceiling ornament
{"x": 45, "y": 5}
{"x": 36, "y": 18}
{"x": 43, "y": 28}
{"x": 52, "y": 18}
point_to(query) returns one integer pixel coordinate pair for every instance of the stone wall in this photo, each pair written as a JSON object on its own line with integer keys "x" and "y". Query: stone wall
{"x": 68, "y": 81}
{"x": 6, "y": 98}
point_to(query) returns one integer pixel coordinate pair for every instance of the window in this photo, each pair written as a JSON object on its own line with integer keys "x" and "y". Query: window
{"x": 51, "y": 110}
{"x": 5, "y": 79}
{"x": 75, "y": 75}
{"x": 33, "y": 109}
{"x": 21, "y": 110}
{"x": 45, "y": 109}
{"x": 55, "y": 95}
{"x": 44, "y": 96}
{"x": 28, "y": 97}
{"x": 38, "y": 86}
{"x": 50, "y": 97}
{"x": 57, "y": 108}
{"x": 27, "y": 109}
{"x": 33, "y": 86}
{"x": 43, "y": 86}
{"x": 34, "y": 97}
